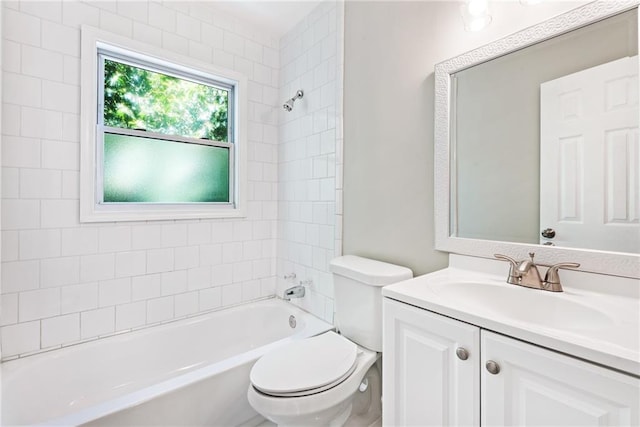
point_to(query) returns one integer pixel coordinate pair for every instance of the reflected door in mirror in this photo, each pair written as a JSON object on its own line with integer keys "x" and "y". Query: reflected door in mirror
{"x": 589, "y": 180}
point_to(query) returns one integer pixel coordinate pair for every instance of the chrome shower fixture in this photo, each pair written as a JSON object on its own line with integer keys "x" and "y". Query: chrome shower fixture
{"x": 288, "y": 106}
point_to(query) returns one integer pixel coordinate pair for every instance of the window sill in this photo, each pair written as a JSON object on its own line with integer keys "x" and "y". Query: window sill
{"x": 101, "y": 213}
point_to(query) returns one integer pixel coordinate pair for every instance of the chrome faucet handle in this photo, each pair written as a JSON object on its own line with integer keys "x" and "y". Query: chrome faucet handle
{"x": 506, "y": 258}
{"x": 552, "y": 278}
{"x": 514, "y": 276}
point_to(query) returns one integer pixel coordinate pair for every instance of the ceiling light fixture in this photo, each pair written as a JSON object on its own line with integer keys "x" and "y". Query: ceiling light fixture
{"x": 477, "y": 7}
{"x": 475, "y": 14}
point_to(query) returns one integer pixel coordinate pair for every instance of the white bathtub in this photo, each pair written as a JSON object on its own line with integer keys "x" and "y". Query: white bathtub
{"x": 190, "y": 372}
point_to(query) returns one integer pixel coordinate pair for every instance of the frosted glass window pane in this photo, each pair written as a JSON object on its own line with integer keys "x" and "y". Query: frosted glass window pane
{"x": 147, "y": 170}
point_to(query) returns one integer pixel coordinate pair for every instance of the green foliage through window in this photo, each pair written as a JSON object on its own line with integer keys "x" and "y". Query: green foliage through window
{"x": 135, "y": 98}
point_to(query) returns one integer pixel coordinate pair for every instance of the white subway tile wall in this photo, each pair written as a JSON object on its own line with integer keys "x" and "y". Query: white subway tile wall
{"x": 309, "y": 156}
{"x": 64, "y": 282}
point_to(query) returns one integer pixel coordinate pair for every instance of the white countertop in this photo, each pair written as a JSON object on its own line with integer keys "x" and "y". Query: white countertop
{"x": 600, "y": 327}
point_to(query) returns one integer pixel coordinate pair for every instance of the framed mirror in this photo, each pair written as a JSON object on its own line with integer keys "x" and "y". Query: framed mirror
{"x": 536, "y": 143}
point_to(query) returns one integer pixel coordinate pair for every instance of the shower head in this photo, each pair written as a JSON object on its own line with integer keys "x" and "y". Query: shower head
{"x": 288, "y": 106}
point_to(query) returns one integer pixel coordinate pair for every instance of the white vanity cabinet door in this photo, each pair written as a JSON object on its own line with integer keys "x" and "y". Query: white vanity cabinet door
{"x": 424, "y": 382}
{"x": 539, "y": 387}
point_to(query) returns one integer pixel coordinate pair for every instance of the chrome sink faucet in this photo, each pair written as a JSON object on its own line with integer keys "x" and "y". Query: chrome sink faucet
{"x": 526, "y": 273}
{"x": 529, "y": 273}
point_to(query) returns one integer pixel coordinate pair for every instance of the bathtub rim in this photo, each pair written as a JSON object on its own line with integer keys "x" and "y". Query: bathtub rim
{"x": 141, "y": 328}
{"x": 314, "y": 326}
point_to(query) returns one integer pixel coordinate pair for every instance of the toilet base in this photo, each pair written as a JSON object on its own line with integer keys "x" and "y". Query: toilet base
{"x": 367, "y": 406}
{"x": 365, "y": 410}
{"x": 342, "y": 405}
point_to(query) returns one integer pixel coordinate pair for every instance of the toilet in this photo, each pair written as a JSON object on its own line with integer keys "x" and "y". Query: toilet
{"x": 332, "y": 379}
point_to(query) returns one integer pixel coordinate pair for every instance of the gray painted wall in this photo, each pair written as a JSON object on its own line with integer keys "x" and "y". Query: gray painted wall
{"x": 391, "y": 49}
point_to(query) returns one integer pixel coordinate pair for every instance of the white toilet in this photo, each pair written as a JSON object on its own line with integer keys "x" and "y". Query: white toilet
{"x": 331, "y": 379}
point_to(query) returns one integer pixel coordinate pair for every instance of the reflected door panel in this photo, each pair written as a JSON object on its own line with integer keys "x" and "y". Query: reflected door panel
{"x": 589, "y": 156}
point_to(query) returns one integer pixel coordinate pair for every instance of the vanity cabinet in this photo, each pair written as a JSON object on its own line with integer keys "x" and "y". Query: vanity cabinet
{"x": 507, "y": 381}
{"x": 431, "y": 368}
{"x": 536, "y": 386}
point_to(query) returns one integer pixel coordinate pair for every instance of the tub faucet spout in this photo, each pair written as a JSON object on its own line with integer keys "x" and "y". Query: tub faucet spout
{"x": 294, "y": 292}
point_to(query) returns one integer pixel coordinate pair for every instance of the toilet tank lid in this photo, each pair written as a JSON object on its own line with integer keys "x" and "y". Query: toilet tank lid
{"x": 369, "y": 271}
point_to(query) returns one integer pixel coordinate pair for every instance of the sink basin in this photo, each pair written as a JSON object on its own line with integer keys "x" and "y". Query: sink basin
{"x": 594, "y": 318}
{"x": 542, "y": 308}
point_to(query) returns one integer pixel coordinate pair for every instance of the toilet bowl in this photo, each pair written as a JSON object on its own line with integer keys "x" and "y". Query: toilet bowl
{"x": 331, "y": 379}
{"x": 321, "y": 389}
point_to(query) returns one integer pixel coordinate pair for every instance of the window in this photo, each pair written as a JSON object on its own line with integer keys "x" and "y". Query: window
{"x": 163, "y": 136}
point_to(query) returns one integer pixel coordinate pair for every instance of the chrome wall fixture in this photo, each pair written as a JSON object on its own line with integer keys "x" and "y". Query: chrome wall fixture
{"x": 288, "y": 106}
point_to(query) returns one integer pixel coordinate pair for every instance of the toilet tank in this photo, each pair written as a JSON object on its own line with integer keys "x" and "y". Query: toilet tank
{"x": 357, "y": 287}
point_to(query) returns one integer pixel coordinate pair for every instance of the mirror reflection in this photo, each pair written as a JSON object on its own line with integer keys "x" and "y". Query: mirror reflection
{"x": 545, "y": 142}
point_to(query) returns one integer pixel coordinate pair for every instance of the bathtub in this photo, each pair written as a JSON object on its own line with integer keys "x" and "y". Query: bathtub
{"x": 189, "y": 372}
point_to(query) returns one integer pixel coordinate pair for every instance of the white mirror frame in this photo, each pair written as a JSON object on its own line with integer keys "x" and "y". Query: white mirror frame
{"x": 611, "y": 263}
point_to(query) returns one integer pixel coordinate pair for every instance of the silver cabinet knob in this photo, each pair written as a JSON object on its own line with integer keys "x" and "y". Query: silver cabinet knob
{"x": 492, "y": 367}
{"x": 462, "y": 353}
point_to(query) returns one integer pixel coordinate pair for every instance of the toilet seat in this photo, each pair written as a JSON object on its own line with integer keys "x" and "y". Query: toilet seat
{"x": 305, "y": 367}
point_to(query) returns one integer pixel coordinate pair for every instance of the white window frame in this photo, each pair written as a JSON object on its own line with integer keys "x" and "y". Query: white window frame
{"x": 97, "y": 42}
